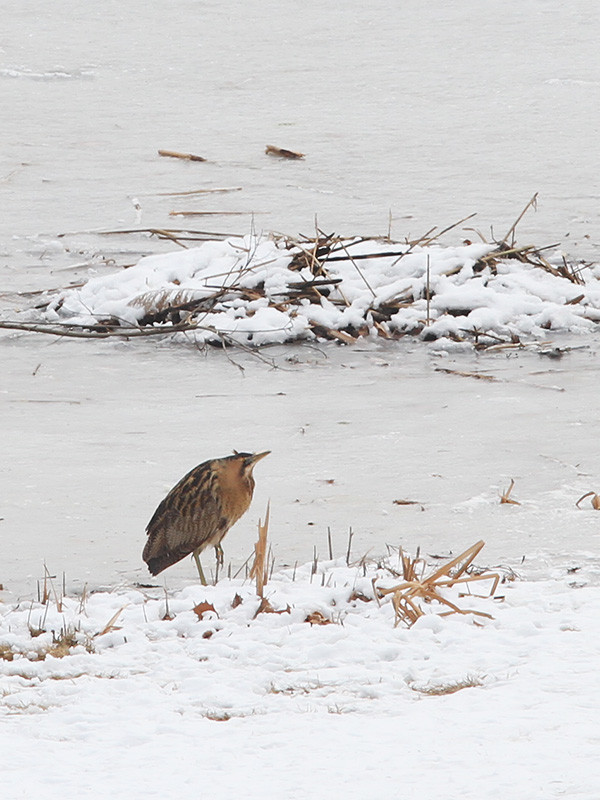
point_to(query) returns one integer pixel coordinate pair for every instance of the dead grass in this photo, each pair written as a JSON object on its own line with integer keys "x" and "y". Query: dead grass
{"x": 62, "y": 644}
{"x": 6, "y": 652}
{"x": 416, "y": 588}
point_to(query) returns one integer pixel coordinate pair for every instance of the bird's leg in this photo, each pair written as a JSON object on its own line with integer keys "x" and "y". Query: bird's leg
{"x": 219, "y": 554}
{"x": 196, "y": 555}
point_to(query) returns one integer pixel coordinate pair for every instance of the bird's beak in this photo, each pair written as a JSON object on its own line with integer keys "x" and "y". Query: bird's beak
{"x": 256, "y": 457}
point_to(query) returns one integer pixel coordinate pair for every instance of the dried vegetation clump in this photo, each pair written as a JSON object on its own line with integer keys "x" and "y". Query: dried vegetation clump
{"x": 417, "y": 588}
{"x": 321, "y": 261}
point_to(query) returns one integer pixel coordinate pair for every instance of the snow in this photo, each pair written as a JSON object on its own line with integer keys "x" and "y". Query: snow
{"x": 209, "y": 693}
{"x": 512, "y": 299}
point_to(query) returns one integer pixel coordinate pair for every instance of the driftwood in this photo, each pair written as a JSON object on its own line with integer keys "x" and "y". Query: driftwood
{"x": 271, "y": 150}
{"x": 184, "y": 156}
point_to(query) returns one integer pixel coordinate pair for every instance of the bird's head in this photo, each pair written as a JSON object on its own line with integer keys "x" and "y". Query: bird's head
{"x": 248, "y": 461}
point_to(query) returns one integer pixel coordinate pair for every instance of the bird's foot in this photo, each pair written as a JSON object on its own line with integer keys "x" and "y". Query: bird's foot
{"x": 219, "y": 554}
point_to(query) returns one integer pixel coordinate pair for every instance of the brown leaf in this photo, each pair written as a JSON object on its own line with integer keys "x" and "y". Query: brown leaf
{"x": 317, "y": 618}
{"x": 237, "y": 601}
{"x": 202, "y": 608}
{"x": 265, "y": 607}
{"x": 207, "y": 634}
{"x": 359, "y": 596}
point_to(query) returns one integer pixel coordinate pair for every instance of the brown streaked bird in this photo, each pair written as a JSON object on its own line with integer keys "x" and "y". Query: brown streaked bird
{"x": 199, "y": 510}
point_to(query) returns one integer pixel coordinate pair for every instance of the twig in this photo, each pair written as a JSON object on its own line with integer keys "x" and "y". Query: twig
{"x": 428, "y": 292}
{"x": 212, "y": 213}
{"x": 360, "y": 272}
{"x": 448, "y": 228}
{"x": 195, "y": 191}
{"x": 531, "y": 204}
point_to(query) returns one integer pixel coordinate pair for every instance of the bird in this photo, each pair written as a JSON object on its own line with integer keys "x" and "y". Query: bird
{"x": 199, "y": 510}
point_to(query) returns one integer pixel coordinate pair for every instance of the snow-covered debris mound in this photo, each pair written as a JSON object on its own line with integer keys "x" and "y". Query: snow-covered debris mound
{"x": 259, "y": 290}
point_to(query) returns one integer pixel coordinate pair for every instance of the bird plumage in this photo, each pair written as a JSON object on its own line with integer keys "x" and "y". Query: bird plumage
{"x": 200, "y": 509}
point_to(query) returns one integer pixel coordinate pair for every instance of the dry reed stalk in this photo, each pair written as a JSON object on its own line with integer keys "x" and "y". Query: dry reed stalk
{"x": 197, "y": 191}
{"x": 57, "y": 600}
{"x": 531, "y": 204}
{"x": 506, "y": 498}
{"x": 259, "y": 569}
{"x": 409, "y": 503}
{"x": 428, "y": 293}
{"x": 332, "y": 333}
{"x": 360, "y": 272}
{"x": 595, "y": 501}
{"x": 211, "y": 213}
{"x": 424, "y": 242}
{"x": 161, "y": 232}
{"x": 479, "y": 375}
{"x": 416, "y": 587}
{"x": 349, "y": 548}
{"x": 110, "y": 625}
{"x": 184, "y": 156}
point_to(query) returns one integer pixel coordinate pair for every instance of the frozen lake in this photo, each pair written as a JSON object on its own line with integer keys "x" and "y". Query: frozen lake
{"x": 430, "y": 112}
{"x": 411, "y": 115}
{"x": 98, "y": 433}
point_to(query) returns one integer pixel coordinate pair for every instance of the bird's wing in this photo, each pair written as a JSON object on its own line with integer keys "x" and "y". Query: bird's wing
{"x": 188, "y": 518}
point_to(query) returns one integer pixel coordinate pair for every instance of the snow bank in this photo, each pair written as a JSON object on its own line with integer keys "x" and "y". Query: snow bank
{"x": 259, "y": 291}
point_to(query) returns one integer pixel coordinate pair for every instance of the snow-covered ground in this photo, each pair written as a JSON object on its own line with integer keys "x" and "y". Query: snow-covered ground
{"x": 411, "y": 116}
{"x": 156, "y": 699}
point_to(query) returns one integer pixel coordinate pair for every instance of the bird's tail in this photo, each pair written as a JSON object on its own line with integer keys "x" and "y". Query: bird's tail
{"x": 158, "y": 563}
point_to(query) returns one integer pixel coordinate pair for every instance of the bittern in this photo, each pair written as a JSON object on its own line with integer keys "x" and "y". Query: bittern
{"x": 199, "y": 510}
